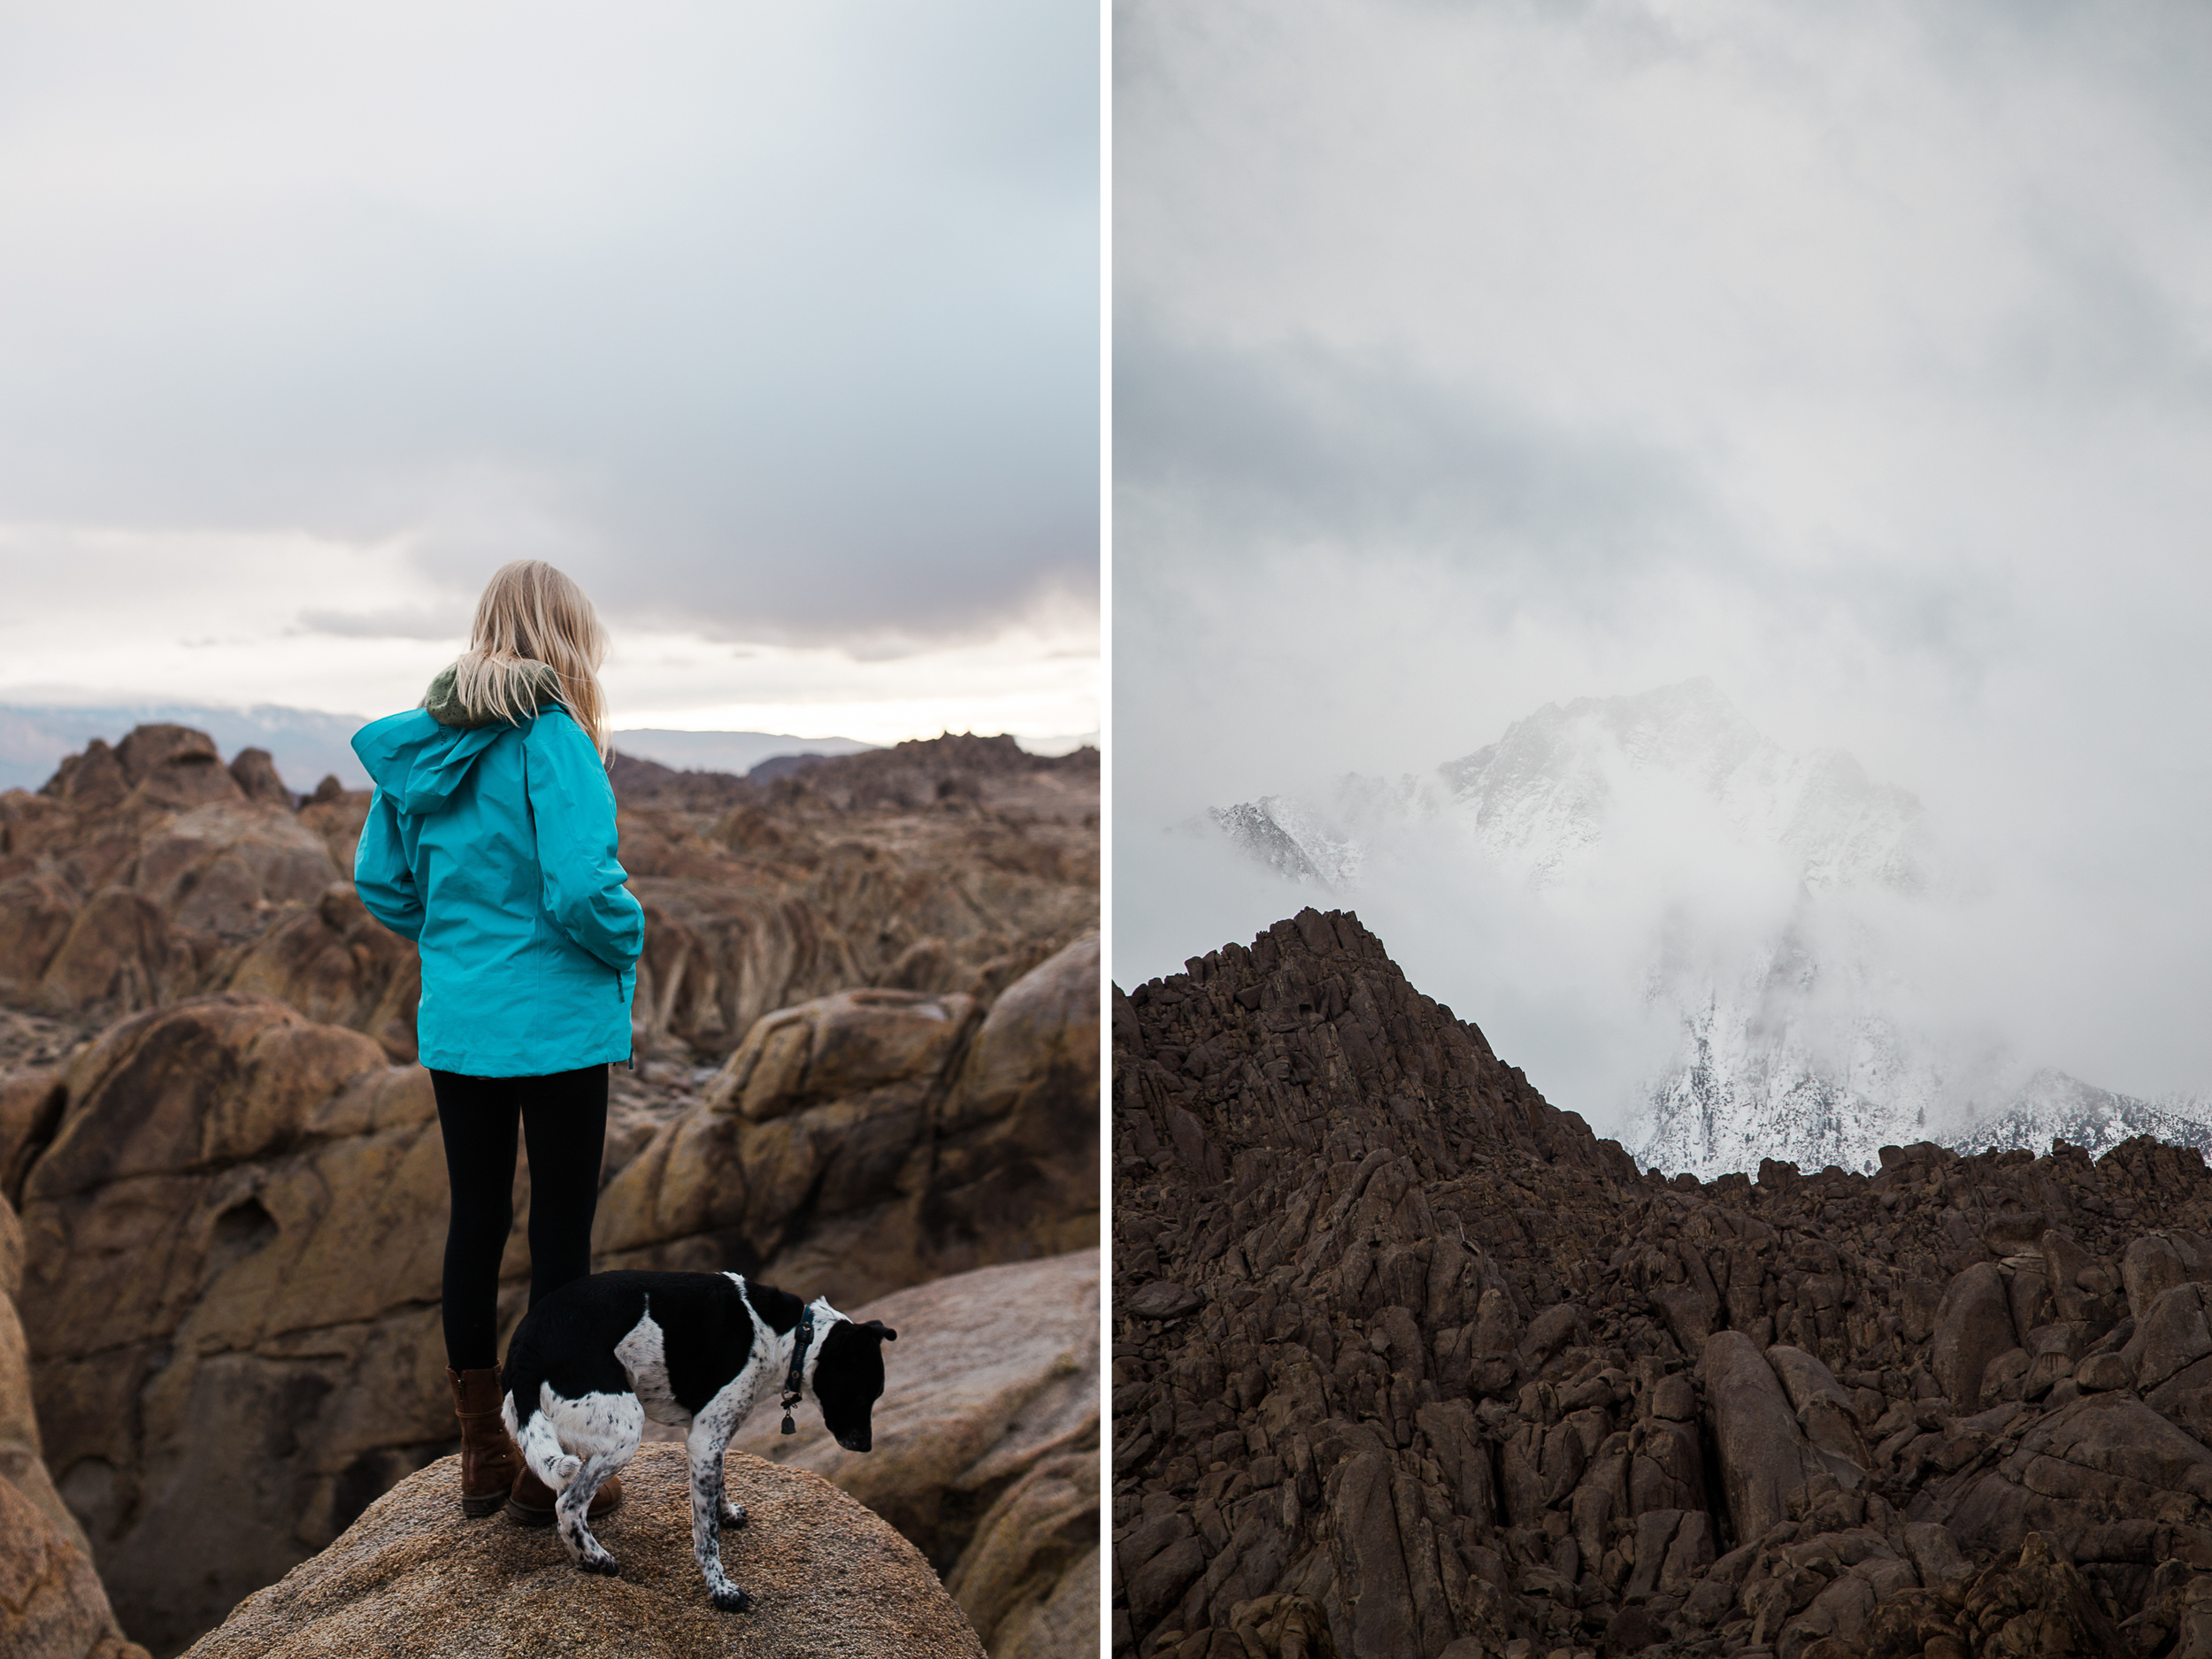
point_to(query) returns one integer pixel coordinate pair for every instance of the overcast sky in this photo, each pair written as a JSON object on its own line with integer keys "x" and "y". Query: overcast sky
{"x": 1473, "y": 356}
{"x": 776, "y": 326}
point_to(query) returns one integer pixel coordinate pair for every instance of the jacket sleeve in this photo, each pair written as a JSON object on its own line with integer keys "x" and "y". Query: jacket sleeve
{"x": 380, "y": 873}
{"x": 574, "y": 809}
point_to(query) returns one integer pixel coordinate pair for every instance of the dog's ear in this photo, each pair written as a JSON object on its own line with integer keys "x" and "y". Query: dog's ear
{"x": 881, "y": 1331}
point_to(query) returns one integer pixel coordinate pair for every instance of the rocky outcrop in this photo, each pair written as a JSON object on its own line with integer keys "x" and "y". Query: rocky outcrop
{"x": 874, "y": 1138}
{"x": 230, "y": 1172}
{"x": 827, "y": 1578}
{"x": 125, "y": 879}
{"x": 52, "y": 1604}
{"x": 149, "y": 872}
{"x": 755, "y": 909}
{"x": 230, "y": 1296}
{"x": 1406, "y": 1361}
{"x": 987, "y": 1447}
{"x": 234, "y": 1220}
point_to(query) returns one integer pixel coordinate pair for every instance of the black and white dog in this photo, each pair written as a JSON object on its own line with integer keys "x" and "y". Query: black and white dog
{"x": 598, "y": 1356}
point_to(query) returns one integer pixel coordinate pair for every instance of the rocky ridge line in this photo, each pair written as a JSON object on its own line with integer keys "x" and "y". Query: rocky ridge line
{"x": 1406, "y": 1362}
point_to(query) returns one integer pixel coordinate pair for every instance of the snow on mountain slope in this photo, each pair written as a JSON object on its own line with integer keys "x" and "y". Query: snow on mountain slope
{"x": 1769, "y": 899}
{"x": 2056, "y": 1106}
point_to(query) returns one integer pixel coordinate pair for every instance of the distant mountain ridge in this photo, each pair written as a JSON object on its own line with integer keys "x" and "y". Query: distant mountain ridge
{"x": 1799, "y": 1045}
{"x": 308, "y": 744}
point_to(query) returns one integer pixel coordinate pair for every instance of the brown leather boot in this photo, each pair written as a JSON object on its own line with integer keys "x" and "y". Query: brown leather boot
{"x": 489, "y": 1462}
{"x": 530, "y": 1502}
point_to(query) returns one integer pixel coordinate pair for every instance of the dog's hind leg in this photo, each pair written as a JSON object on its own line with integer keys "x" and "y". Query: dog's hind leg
{"x": 703, "y": 1448}
{"x": 569, "y": 1511}
{"x": 604, "y": 1429}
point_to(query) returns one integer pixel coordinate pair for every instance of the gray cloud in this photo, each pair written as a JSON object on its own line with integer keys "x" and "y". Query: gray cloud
{"x": 1301, "y": 438}
{"x": 418, "y": 623}
{"x": 1471, "y": 358}
{"x": 779, "y": 322}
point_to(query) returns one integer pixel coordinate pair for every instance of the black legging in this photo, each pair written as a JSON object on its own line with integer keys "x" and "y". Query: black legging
{"x": 564, "y": 1118}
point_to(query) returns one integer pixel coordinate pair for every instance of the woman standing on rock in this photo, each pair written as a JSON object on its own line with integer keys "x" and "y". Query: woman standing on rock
{"x": 491, "y": 843}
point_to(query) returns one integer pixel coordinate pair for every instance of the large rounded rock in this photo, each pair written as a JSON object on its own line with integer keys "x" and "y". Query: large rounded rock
{"x": 829, "y": 1580}
{"x": 985, "y": 1445}
{"x": 335, "y": 963}
{"x": 2171, "y": 1335}
{"x": 838, "y": 1047}
{"x": 222, "y": 867}
{"x": 867, "y": 1140}
{"x": 1973, "y": 1326}
{"x": 52, "y": 1604}
{"x": 1018, "y": 1135}
{"x": 2150, "y": 1267}
{"x": 230, "y": 1293}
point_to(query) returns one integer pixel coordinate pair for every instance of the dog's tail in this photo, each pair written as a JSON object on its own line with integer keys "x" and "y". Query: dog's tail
{"x": 540, "y": 1447}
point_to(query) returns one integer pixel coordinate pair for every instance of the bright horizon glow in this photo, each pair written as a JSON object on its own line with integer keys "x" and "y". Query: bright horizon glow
{"x": 107, "y": 617}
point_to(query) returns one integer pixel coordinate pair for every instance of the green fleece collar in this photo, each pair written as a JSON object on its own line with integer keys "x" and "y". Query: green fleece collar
{"x": 443, "y": 704}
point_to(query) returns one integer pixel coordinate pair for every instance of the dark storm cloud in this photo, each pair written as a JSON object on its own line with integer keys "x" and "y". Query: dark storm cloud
{"x": 769, "y": 322}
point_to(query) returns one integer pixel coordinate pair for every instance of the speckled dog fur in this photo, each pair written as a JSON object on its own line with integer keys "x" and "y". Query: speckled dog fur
{"x": 597, "y": 1357}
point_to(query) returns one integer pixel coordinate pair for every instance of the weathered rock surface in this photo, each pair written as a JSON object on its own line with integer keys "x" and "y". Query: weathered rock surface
{"x": 235, "y": 1230}
{"x": 52, "y": 1604}
{"x": 875, "y": 1138}
{"x": 235, "y": 1196}
{"x": 987, "y": 1447}
{"x": 828, "y": 1579}
{"x": 230, "y": 1295}
{"x": 125, "y": 879}
{"x": 1407, "y": 1362}
{"x": 149, "y": 873}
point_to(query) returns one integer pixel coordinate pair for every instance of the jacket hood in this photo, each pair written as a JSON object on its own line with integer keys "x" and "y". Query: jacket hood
{"x": 420, "y": 757}
{"x": 418, "y": 761}
{"x": 443, "y": 701}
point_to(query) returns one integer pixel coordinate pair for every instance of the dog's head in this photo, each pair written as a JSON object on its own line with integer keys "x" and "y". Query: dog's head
{"x": 847, "y": 1377}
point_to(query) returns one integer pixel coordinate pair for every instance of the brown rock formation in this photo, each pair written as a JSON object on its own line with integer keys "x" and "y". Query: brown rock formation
{"x": 124, "y": 881}
{"x": 872, "y": 1139}
{"x": 829, "y": 1580}
{"x": 1407, "y": 1362}
{"x": 52, "y": 1604}
{"x": 987, "y": 1447}
{"x": 805, "y": 890}
{"x": 234, "y": 1198}
{"x": 231, "y": 1295}
{"x": 149, "y": 872}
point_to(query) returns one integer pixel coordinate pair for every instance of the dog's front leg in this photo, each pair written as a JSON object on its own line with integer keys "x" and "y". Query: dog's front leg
{"x": 709, "y": 1439}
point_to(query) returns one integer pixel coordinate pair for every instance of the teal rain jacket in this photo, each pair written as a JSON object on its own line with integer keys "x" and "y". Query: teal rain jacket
{"x": 492, "y": 846}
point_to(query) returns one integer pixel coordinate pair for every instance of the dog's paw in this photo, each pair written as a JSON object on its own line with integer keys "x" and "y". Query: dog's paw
{"x": 732, "y": 1599}
{"x": 605, "y": 1565}
{"x": 733, "y": 1513}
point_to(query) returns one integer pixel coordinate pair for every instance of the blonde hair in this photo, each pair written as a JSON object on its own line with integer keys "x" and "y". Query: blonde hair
{"x": 532, "y": 618}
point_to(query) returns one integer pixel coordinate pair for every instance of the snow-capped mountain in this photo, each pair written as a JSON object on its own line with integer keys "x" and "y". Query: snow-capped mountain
{"x": 1771, "y": 950}
{"x": 2056, "y": 1106}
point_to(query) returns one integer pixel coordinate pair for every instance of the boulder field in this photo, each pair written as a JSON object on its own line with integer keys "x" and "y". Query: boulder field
{"x": 150, "y": 871}
{"x": 1406, "y": 1362}
{"x": 867, "y": 1058}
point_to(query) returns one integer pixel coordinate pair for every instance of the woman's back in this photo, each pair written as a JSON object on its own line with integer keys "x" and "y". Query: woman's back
{"x": 493, "y": 846}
